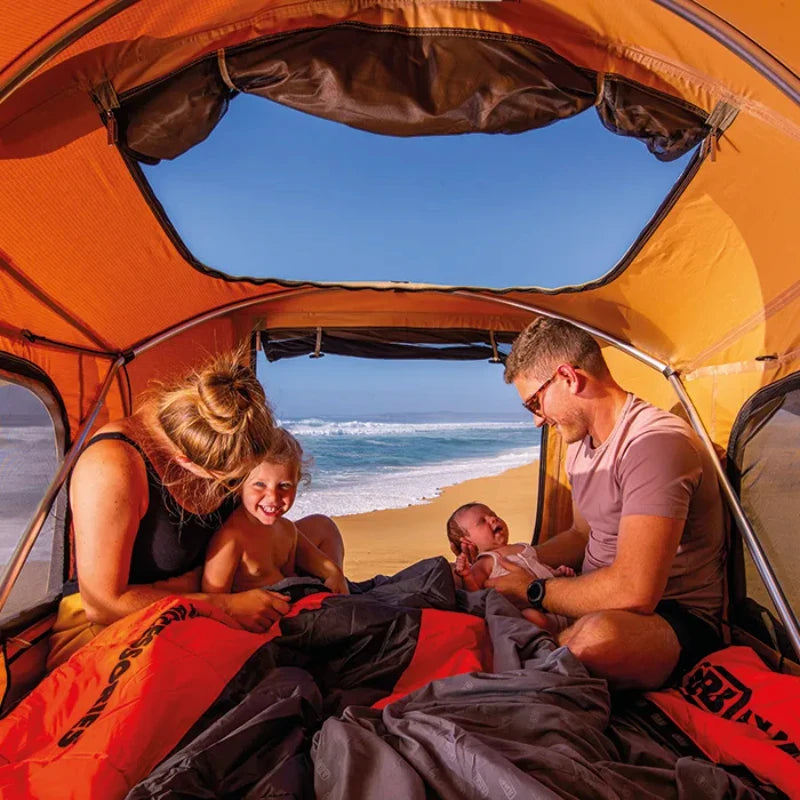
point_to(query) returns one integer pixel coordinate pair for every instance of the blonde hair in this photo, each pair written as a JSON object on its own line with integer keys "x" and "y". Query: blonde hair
{"x": 219, "y": 418}
{"x": 455, "y": 533}
{"x": 285, "y": 449}
{"x": 546, "y": 343}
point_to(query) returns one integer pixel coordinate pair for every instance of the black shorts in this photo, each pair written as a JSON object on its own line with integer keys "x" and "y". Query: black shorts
{"x": 697, "y": 636}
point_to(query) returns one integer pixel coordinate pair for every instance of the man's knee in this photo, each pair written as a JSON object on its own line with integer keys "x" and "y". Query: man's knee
{"x": 629, "y": 650}
{"x": 593, "y": 636}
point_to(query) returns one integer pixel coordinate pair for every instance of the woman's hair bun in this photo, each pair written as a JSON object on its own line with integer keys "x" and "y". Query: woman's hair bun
{"x": 228, "y": 393}
{"x": 218, "y": 416}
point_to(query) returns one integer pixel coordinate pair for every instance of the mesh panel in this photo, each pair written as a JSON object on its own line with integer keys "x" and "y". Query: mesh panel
{"x": 765, "y": 458}
{"x": 28, "y": 461}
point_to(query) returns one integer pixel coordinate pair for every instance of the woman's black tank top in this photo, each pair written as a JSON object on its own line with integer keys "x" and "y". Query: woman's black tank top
{"x": 170, "y": 539}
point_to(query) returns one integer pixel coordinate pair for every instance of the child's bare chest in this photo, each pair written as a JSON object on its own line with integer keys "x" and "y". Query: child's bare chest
{"x": 267, "y": 557}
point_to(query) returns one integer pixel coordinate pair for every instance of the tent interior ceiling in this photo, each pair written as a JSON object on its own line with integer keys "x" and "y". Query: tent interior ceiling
{"x": 708, "y": 292}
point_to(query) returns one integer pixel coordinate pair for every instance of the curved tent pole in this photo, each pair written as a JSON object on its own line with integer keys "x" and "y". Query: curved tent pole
{"x": 220, "y": 311}
{"x": 748, "y": 534}
{"x": 62, "y": 43}
{"x": 31, "y": 532}
{"x": 761, "y": 60}
{"x": 43, "y": 509}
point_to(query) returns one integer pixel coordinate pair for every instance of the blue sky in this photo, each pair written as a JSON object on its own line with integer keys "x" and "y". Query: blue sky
{"x": 277, "y": 193}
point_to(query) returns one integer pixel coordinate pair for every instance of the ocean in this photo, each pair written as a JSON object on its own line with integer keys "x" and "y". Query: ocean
{"x": 27, "y": 464}
{"x": 359, "y": 465}
{"x": 370, "y": 464}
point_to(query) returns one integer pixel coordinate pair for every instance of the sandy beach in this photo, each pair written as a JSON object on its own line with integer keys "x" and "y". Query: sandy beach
{"x": 383, "y": 542}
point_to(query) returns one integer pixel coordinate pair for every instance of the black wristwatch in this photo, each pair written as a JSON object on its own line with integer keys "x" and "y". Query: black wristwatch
{"x": 536, "y": 592}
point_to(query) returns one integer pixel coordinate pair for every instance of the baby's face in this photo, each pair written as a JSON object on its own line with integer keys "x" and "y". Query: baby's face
{"x": 483, "y": 527}
{"x": 269, "y": 491}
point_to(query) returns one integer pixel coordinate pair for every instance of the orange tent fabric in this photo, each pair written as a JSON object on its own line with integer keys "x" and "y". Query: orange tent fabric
{"x": 711, "y": 291}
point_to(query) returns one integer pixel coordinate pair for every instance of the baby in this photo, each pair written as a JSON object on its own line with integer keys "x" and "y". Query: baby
{"x": 256, "y": 547}
{"x": 477, "y": 524}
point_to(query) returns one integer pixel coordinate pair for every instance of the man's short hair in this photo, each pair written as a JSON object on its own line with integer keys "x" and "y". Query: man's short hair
{"x": 455, "y": 533}
{"x": 548, "y": 342}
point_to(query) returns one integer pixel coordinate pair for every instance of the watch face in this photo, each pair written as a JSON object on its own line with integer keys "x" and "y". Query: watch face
{"x": 536, "y": 593}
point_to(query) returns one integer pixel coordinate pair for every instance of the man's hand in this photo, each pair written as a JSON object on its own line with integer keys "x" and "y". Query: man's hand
{"x": 513, "y": 586}
{"x": 468, "y": 549}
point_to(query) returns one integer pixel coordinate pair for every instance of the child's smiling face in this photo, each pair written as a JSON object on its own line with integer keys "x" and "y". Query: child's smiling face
{"x": 269, "y": 491}
{"x": 483, "y": 527}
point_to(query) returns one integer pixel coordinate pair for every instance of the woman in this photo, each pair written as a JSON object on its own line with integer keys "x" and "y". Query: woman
{"x": 149, "y": 491}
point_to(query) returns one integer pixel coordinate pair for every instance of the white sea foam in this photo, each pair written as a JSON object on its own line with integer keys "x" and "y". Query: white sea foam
{"x": 320, "y": 427}
{"x": 358, "y": 493}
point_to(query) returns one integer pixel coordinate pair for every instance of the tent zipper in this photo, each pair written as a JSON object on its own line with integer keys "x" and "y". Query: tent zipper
{"x": 106, "y": 100}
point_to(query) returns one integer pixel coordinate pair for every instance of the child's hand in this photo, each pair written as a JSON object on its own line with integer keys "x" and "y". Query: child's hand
{"x": 564, "y": 572}
{"x": 463, "y": 568}
{"x": 336, "y": 583}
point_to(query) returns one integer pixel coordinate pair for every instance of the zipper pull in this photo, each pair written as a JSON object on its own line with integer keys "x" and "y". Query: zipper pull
{"x": 107, "y": 102}
{"x": 112, "y": 128}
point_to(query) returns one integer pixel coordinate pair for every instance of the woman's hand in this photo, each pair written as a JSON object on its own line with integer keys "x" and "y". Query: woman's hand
{"x": 256, "y": 610}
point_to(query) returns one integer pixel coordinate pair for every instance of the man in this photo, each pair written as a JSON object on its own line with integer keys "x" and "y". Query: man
{"x": 648, "y": 522}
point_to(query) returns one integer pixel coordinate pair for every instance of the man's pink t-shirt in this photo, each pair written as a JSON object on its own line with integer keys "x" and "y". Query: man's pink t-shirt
{"x": 653, "y": 463}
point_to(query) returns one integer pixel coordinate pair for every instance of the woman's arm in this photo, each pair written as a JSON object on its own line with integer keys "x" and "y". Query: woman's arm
{"x": 108, "y": 498}
{"x": 312, "y": 560}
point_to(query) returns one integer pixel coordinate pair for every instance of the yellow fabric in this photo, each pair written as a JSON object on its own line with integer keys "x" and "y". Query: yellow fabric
{"x": 71, "y": 631}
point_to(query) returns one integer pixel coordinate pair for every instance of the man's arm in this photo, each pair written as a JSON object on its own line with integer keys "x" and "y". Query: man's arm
{"x": 568, "y": 546}
{"x": 634, "y": 582}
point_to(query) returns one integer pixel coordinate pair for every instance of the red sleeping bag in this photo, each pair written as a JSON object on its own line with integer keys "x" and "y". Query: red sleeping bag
{"x": 738, "y": 711}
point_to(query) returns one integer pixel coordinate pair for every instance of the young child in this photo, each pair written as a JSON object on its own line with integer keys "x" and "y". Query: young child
{"x": 477, "y": 524}
{"x": 256, "y": 547}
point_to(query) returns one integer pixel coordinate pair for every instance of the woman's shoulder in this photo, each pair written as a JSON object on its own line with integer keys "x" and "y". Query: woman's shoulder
{"x": 111, "y": 452}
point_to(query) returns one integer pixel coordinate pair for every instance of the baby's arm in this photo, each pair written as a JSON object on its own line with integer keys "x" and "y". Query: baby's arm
{"x": 473, "y": 577}
{"x": 312, "y": 560}
{"x": 564, "y": 572}
{"x": 222, "y": 559}
{"x": 463, "y": 571}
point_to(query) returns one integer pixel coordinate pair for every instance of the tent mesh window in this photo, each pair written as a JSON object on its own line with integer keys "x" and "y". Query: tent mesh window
{"x": 29, "y": 456}
{"x": 762, "y": 456}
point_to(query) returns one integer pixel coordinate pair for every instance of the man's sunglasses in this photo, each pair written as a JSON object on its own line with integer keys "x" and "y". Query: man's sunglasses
{"x": 534, "y": 402}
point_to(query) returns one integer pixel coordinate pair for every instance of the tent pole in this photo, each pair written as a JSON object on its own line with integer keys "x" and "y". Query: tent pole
{"x": 748, "y": 534}
{"x": 28, "y": 539}
{"x": 745, "y": 528}
{"x": 43, "y": 509}
{"x": 62, "y": 43}
{"x": 738, "y": 43}
{"x": 645, "y": 358}
{"x": 146, "y": 344}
